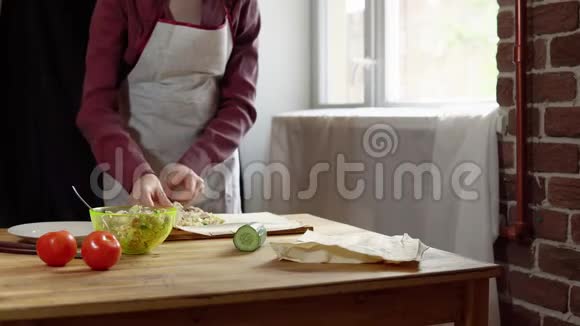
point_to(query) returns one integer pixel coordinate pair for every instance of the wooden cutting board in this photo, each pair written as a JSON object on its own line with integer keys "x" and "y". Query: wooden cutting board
{"x": 180, "y": 235}
{"x": 240, "y": 219}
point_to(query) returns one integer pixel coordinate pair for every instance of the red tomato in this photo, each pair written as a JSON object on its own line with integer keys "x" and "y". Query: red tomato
{"x": 101, "y": 250}
{"x": 56, "y": 249}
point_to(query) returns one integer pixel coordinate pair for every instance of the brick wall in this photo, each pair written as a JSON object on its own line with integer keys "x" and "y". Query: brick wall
{"x": 541, "y": 285}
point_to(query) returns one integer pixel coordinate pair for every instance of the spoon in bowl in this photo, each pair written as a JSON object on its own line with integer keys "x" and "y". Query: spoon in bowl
{"x": 81, "y": 198}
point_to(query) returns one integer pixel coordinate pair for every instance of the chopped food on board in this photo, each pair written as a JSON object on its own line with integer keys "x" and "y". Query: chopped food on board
{"x": 195, "y": 216}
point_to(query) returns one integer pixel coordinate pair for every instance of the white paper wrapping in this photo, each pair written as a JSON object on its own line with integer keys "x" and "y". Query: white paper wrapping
{"x": 314, "y": 247}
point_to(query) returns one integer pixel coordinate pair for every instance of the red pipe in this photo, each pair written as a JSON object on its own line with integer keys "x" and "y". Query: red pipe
{"x": 517, "y": 228}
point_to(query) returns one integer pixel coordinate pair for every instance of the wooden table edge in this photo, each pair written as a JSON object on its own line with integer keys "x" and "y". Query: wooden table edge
{"x": 183, "y": 302}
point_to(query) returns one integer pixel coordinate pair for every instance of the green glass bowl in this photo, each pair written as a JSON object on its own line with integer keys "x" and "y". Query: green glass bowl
{"x": 138, "y": 234}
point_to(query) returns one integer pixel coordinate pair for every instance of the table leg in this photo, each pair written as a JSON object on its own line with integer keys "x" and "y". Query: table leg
{"x": 477, "y": 303}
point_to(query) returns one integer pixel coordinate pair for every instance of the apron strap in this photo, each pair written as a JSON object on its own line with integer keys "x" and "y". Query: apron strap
{"x": 229, "y": 18}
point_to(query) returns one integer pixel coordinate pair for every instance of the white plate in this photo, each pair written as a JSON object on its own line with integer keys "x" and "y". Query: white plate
{"x": 31, "y": 232}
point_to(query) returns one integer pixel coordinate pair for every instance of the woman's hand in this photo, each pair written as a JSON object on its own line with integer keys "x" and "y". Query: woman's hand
{"x": 149, "y": 192}
{"x": 181, "y": 184}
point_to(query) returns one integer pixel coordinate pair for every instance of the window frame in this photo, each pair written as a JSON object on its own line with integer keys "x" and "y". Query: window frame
{"x": 319, "y": 53}
{"x": 376, "y": 37}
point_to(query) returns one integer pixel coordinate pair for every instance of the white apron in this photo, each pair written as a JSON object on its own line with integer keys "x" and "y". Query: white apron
{"x": 172, "y": 94}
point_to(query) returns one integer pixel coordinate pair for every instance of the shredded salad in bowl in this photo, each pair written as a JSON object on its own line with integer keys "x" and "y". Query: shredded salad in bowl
{"x": 139, "y": 229}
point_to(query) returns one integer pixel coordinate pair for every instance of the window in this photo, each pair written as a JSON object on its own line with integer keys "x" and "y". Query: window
{"x": 402, "y": 52}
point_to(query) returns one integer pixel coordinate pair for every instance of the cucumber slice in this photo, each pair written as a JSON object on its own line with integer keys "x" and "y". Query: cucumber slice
{"x": 250, "y": 237}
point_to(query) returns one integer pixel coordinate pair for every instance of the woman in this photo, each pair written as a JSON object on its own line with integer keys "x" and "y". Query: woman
{"x": 168, "y": 96}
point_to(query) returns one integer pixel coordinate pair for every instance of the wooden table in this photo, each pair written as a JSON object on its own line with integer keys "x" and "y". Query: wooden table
{"x": 210, "y": 283}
